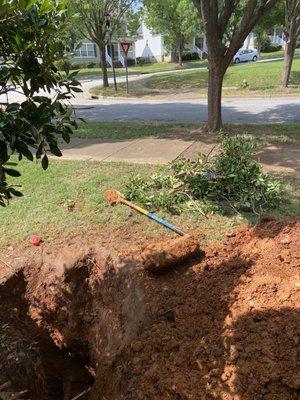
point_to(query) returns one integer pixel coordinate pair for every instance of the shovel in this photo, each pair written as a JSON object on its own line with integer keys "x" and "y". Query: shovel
{"x": 166, "y": 255}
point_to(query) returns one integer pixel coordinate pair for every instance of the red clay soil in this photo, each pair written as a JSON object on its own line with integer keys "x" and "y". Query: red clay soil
{"x": 222, "y": 327}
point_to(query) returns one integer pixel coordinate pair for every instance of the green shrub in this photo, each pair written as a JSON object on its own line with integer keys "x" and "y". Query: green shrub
{"x": 243, "y": 183}
{"x": 268, "y": 47}
{"x": 76, "y": 65}
{"x": 141, "y": 61}
{"x": 130, "y": 62}
{"x": 262, "y": 41}
{"x": 231, "y": 178}
{"x": 271, "y": 48}
{"x": 63, "y": 65}
{"x": 190, "y": 56}
{"x": 90, "y": 64}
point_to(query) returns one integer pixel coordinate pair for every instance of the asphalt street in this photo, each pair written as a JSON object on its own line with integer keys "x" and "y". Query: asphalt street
{"x": 235, "y": 110}
{"x": 245, "y": 110}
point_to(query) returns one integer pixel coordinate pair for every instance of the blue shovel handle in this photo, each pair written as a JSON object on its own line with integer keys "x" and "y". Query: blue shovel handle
{"x": 167, "y": 224}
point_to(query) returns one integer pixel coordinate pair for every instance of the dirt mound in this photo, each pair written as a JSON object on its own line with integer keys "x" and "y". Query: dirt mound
{"x": 225, "y": 327}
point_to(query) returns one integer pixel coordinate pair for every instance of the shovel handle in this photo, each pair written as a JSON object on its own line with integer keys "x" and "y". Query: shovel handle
{"x": 154, "y": 217}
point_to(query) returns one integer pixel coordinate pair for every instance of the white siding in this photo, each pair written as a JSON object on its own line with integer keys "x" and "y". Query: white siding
{"x": 150, "y": 46}
{"x": 275, "y": 38}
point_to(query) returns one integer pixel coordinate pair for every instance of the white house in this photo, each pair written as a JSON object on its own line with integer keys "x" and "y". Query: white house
{"x": 276, "y": 37}
{"x": 149, "y": 46}
{"x": 146, "y": 45}
{"x": 89, "y": 53}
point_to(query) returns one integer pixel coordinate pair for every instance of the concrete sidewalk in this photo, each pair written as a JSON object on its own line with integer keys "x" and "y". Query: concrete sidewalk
{"x": 140, "y": 151}
{"x": 150, "y": 150}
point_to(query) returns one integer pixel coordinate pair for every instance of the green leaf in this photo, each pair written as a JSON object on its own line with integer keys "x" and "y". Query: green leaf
{"x": 76, "y": 89}
{"x": 41, "y": 99}
{"x": 55, "y": 150}
{"x": 39, "y": 151}
{"x": 73, "y": 74}
{"x": 45, "y": 162}
{"x": 13, "y": 107}
{"x": 23, "y": 149}
{"x": 15, "y": 192}
{"x": 34, "y": 132}
{"x": 66, "y": 137}
{"x": 30, "y": 4}
{"x": 12, "y": 172}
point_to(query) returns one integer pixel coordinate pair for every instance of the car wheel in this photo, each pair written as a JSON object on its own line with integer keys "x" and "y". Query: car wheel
{"x": 254, "y": 58}
{"x": 237, "y": 61}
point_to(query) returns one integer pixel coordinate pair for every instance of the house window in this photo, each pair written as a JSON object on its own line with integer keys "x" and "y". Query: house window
{"x": 114, "y": 47}
{"x": 87, "y": 50}
{"x": 115, "y": 50}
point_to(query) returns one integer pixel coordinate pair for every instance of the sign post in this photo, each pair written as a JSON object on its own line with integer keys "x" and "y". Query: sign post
{"x": 113, "y": 65}
{"x": 125, "y": 47}
{"x": 108, "y": 38}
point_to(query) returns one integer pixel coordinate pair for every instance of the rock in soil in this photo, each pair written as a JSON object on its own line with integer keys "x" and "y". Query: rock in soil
{"x": 224, "y": 327}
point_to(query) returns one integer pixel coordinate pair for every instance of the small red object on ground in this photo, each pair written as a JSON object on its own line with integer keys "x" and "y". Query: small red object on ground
{"x": 36, "y": 240}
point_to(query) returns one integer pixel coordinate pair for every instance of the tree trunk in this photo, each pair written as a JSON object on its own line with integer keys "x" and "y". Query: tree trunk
{"x": 288, "y": 61}
{"x": 180, "y": 50}
{"x": 259, "y": 43}
{"x": 103, "y": 65}
{"x": 215, "y": 82}
{"x": 258, "y": 49}
{"x": 173, "y": 56}
{"x": 180, "y": 56}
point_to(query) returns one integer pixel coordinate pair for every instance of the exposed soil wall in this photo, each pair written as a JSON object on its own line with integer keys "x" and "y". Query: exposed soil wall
{"x": 224, "y": 327}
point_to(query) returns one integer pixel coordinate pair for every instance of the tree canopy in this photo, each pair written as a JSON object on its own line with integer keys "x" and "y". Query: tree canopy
{"x": 176, "y": 20}
{"x": 273, "y": 19}
{"x": 98, "y": 20}
{"x": 33, "y": 93}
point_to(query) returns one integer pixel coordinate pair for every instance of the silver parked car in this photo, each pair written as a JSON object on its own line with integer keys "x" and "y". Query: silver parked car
{"x": 245, "y": 55}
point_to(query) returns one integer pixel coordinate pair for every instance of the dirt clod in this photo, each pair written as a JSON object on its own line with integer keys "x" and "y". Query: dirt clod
{"x": 162, "y": 256}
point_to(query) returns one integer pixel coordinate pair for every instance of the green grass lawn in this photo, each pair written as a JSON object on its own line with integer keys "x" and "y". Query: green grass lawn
{"x": 68, "y": 197}
{"x": 164, "y": 66}
{"x": 118, "y": 130}
{"x": 142, "y": 69}
{"x": 274, "y": 54}
{"x": 262, "y": 78}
